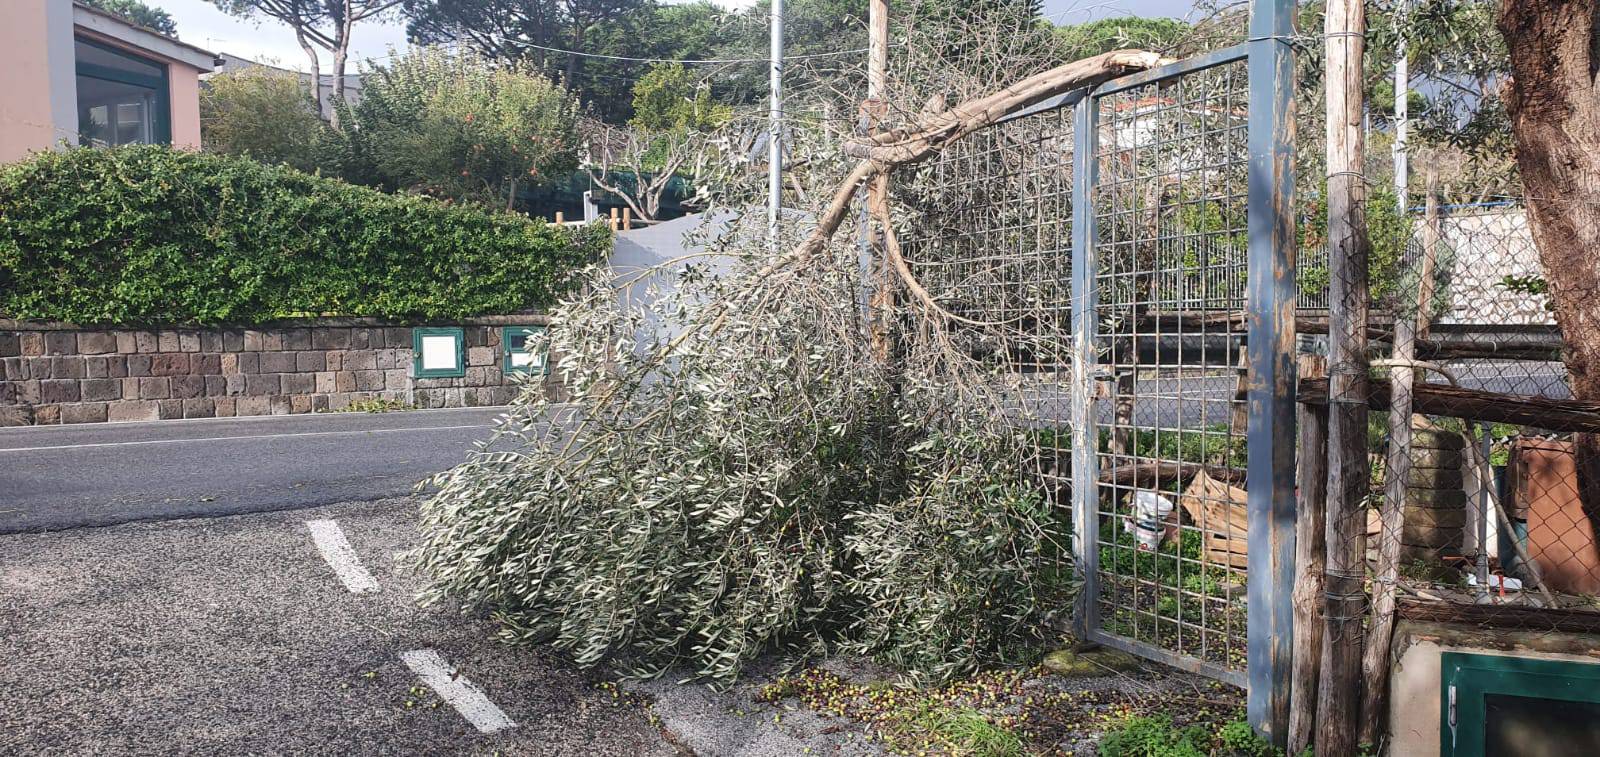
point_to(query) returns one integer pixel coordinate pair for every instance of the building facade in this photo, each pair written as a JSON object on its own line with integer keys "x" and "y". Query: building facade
{"x": 81, "y": 76}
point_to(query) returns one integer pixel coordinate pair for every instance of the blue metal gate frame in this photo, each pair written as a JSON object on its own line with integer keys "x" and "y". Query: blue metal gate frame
{"x": 1270, "y": 378}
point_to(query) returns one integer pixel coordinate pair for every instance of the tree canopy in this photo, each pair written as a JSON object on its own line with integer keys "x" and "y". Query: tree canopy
{"x": 455, "y": 125}
{"x": 138, "y": 13}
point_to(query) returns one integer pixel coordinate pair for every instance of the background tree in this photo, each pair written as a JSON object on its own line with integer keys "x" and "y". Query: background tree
{"x": 325, "y": 24}
{"x": 138, "y": 13}
{"x": 1555, "y": 119}
{"x": 455, "y": 125}
{"x": 264, "y": 113}
{"x": 672, "y": 116}
{"x": 536, "y": 31}
{"x": 1107, "y": 34}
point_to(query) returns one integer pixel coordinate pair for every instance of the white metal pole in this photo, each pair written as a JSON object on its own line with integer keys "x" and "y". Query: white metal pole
{"x": 774, "y": 128}
{"x": 1402, "y": 125}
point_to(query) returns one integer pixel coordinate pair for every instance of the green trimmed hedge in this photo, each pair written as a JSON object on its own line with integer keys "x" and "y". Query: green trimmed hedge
{"x": 151, "y": 235}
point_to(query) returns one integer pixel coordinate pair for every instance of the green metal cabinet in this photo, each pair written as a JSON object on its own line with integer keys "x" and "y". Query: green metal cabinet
{"x": 516, "y": 358}
{"x": 437, "y": 352}
{"x": 1505, "y": 706}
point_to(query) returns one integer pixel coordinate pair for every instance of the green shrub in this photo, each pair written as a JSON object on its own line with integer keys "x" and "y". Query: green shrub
{"x": 266, "y": 114}
{"x": 150, "y": 235}
{"x": 1158, "y": 736}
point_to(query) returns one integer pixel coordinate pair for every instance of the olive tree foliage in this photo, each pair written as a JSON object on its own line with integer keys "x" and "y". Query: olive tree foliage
{"x": 739, "y": 466}
{"x": 458, "y": 126}
{"x": 263, "y": 113}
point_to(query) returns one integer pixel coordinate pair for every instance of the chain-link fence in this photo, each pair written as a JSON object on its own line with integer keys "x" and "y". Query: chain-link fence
{"x": 1475, "y": 511}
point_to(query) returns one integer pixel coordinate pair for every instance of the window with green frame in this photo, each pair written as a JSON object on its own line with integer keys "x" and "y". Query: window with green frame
{"x": 517, "y": 358}
{"x": 123, "y": 98}
{"x": 437, "y": 352}
{"x": 1493, "y": 705}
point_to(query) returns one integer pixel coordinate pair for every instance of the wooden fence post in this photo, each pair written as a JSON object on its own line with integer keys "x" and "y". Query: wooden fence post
{"x": 1311, "y": 558}
{"x": 1339, "y": 697}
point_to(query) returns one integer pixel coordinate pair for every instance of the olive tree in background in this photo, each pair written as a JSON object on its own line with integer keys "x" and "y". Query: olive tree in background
{"x": 673, "y": 117}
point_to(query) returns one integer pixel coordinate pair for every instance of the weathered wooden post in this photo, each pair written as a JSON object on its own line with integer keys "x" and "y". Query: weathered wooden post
{"x": 1270, "y": 301}
{"x": 1338, "y": 711}
{"x": 1397, "y": 477}
{"x": 881, "y": 301}
{"x": 1311, "y": 558}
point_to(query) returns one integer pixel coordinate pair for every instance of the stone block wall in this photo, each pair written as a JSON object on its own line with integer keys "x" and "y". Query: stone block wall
{"x": 58, "y": 373}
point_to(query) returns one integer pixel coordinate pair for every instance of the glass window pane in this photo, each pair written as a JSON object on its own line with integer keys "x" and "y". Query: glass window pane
{"x": 114, "y": 113}
{"x": 1517, "y": 726}
{"x": 133, "y": 127}
{"x": 439, "y": 353}
{"x": 98, "y": 56}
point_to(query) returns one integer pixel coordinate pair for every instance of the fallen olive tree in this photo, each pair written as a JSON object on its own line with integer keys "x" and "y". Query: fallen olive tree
{"x": 738, "y": 469}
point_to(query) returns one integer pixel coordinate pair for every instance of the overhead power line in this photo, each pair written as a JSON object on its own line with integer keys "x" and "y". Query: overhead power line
{"x": 686, "y": 62}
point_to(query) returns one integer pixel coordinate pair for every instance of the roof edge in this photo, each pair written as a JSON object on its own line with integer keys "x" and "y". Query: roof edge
{"x": 123, "y": 30}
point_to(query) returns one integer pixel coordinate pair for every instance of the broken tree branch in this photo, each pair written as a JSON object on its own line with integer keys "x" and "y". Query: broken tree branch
{"x": 889, "y": 150}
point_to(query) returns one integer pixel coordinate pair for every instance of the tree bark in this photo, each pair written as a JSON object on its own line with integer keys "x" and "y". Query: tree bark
{"x": 1396, "y": 474}
{"x": 1311, "y": 559}
{"x": 341, "y": 53}
{"x": 1555, "y": 118}
{"x": 889, "y": 149}
{"x": 316, "y": 69}
{"x": 1338, "y": 701}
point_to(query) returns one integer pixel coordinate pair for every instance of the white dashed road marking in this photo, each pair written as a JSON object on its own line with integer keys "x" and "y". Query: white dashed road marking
{"x": 336, "y": 550}
{"x": 454, "y": 688}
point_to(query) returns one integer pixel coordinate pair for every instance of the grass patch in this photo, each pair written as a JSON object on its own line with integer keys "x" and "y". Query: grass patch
{"x": 1160, "y": 736}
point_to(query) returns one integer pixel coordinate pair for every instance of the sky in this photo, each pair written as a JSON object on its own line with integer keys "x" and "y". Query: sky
{"x": 200, "y": 23}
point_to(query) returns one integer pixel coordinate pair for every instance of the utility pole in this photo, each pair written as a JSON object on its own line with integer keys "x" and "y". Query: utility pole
{"x": 775, "y": 128}
{"x": 1402, "y": 118}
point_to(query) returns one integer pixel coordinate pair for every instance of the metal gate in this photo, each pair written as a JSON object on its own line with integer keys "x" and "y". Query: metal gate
{"x": 1141, "y": 231}
{"x": 1183, "y": 324}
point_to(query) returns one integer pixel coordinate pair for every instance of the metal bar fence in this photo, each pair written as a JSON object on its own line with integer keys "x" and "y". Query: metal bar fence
{"x": 1124, "y": 246}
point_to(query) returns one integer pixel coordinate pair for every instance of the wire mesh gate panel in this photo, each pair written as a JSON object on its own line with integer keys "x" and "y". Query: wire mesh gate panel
{"x": 1169, "y": 522}
{"x": 1126, "y": 255}
{"x": 992, "y": 242}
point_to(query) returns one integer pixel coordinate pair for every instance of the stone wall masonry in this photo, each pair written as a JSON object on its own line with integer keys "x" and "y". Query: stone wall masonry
{"x": 60, "y": 373}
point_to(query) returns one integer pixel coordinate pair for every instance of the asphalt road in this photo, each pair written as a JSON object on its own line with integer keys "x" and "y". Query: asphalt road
{"x": 56, "y": 477}
{"x": 236, "y": 635}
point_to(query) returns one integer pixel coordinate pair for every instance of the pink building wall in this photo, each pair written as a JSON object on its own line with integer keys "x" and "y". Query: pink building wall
{"x": 38, "y": 103}
{"x": 184, "y": 83}
{"x": 34, "y": 113}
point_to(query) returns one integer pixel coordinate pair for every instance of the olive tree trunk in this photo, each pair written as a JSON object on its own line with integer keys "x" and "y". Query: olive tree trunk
{"x": 1555, "y": 117}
